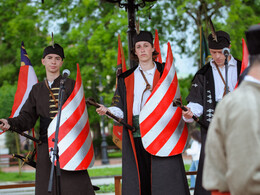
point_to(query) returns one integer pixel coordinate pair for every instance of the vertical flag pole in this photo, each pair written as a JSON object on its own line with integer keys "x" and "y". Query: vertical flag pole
{"x": 55, "y": 150}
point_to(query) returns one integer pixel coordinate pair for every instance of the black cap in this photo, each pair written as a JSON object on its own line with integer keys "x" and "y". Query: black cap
{"x": 57, "y": 49}
{"x": 223, "y": 40}
{"x": 143, "y": 36}
{"x": 253, "y": 39}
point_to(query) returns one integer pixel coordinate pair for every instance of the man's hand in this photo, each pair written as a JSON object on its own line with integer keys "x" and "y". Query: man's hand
{"x": 4, "y": 125}
{"x": 102, "y": 109}
{"x": 187, "y": 114}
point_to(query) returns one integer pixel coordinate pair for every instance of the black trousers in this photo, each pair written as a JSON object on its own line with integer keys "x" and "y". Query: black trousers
{"x": 144, "y": 164}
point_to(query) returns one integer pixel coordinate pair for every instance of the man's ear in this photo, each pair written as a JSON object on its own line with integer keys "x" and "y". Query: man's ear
{"x": 43, "y": 61}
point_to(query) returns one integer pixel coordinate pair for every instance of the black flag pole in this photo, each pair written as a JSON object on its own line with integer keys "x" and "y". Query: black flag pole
{"x": 25, "y": 135}
{"x": 92, "y": 102}
{"x": 177, "y": 103}
{"x": 55, "y": 150}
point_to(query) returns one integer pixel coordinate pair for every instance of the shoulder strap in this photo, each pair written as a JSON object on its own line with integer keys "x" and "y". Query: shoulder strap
{"x": 148, "y": 87}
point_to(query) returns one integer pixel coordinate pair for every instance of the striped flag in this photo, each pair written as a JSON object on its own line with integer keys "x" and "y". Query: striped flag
{"x": 26, "y": 79}
{"x": 163, "y": 131}
{"x": 121, "y": 67}
{"x": 157, "y": 47}
{"x": 74, "y": 140}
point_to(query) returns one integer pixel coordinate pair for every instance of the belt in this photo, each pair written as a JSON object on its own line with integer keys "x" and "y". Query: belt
{"x": 137, "y": 132}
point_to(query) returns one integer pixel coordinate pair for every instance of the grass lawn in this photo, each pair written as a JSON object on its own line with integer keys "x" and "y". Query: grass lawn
{"x": 14, "y": 176}
{"x": 93, "y": 172}
{"x": 25, "y": 176}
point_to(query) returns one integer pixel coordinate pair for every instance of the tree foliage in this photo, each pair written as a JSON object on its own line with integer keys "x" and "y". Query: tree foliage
{"x": 180, "y": 21}
{"x": 88, "y": 29}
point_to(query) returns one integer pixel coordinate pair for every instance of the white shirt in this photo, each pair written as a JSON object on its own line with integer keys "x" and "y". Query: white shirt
{"x": 139, "y": 87}
{"x": 194, "y": 150}
{"x": 196, "y": 108}
{"x": 251, "y": 79}
{"x": 232, "y": 78}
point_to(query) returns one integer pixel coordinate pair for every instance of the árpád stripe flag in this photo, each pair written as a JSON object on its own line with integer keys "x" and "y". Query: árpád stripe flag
{"x": 163, "y": 131}
{"x": 74, "y": 140}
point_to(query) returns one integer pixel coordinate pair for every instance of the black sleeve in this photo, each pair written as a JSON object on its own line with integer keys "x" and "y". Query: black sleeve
{"x": 27, "y": 116}
{"x": 117, "y": 100}
{"x": 197, "y": 89}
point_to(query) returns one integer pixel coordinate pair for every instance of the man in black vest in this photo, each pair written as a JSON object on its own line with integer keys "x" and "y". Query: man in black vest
{"x": 208, "y": 88}
{"x": 42, "y": 103}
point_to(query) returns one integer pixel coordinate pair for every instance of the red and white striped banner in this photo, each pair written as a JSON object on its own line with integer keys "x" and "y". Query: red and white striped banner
{"x": 75, "y": 143}
{"x": 163, "y": 131}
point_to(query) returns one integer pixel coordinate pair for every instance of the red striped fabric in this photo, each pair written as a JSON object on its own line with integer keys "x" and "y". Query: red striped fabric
{"x": 163, "y": 131}
{"x": 74, "y": 141}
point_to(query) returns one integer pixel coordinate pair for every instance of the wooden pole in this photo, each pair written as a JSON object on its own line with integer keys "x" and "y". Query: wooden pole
{"x": 17, "y": 142}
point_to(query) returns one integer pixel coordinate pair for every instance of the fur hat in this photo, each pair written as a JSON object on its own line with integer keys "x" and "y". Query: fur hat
{"x": 143, "y": 36}
{"x": 56, "y": 49}
{"x": 223, "y": 40}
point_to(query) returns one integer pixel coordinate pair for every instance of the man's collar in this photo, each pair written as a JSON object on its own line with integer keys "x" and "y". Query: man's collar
{"x": 232, "y": 62}
{"x": 151, "y": 71}
{"x": 251, "y": 79}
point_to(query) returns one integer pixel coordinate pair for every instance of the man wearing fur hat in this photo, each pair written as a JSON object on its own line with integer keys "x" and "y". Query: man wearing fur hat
{"x": 232, "y": 152}
{"x": 208, "y": 88}
{"x": 143, "y": 173}
{"x": 43, "y": 102}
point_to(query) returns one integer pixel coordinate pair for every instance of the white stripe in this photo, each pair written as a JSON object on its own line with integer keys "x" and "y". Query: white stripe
{"x": 171, "y": 143}
{"x": 159, "y": 126}
{"x": 67, "y": 111}
{"x": 157, "y": 96}
{"x": 80, "y": 155}
{"x": 31, "y": 80}
{"x": 73, "y": 133}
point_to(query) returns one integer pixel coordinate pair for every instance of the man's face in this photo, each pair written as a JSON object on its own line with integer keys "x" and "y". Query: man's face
{"x": 144, "y": 51}
{"x": 218, "y": 56}
{"x": 52, "y": 63}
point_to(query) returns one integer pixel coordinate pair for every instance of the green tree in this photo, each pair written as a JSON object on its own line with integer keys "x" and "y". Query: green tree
{"x": 88, "y": 29}
{"x": 179, "y": 21}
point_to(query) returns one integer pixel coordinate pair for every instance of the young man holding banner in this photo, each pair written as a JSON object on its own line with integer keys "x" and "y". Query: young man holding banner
{"x": 43, "y": 103}
{"x": 152, "y": 161}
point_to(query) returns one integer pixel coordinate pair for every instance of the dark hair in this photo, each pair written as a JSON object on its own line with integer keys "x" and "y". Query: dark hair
{"x": 195, "y": 134}
{"x": 134, "y": 57}
{"x": 254, "y": 59}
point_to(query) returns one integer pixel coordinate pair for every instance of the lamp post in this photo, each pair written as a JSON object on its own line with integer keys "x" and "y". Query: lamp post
{"x": 104, "y": 155}
{"x": 130, "y": 7}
